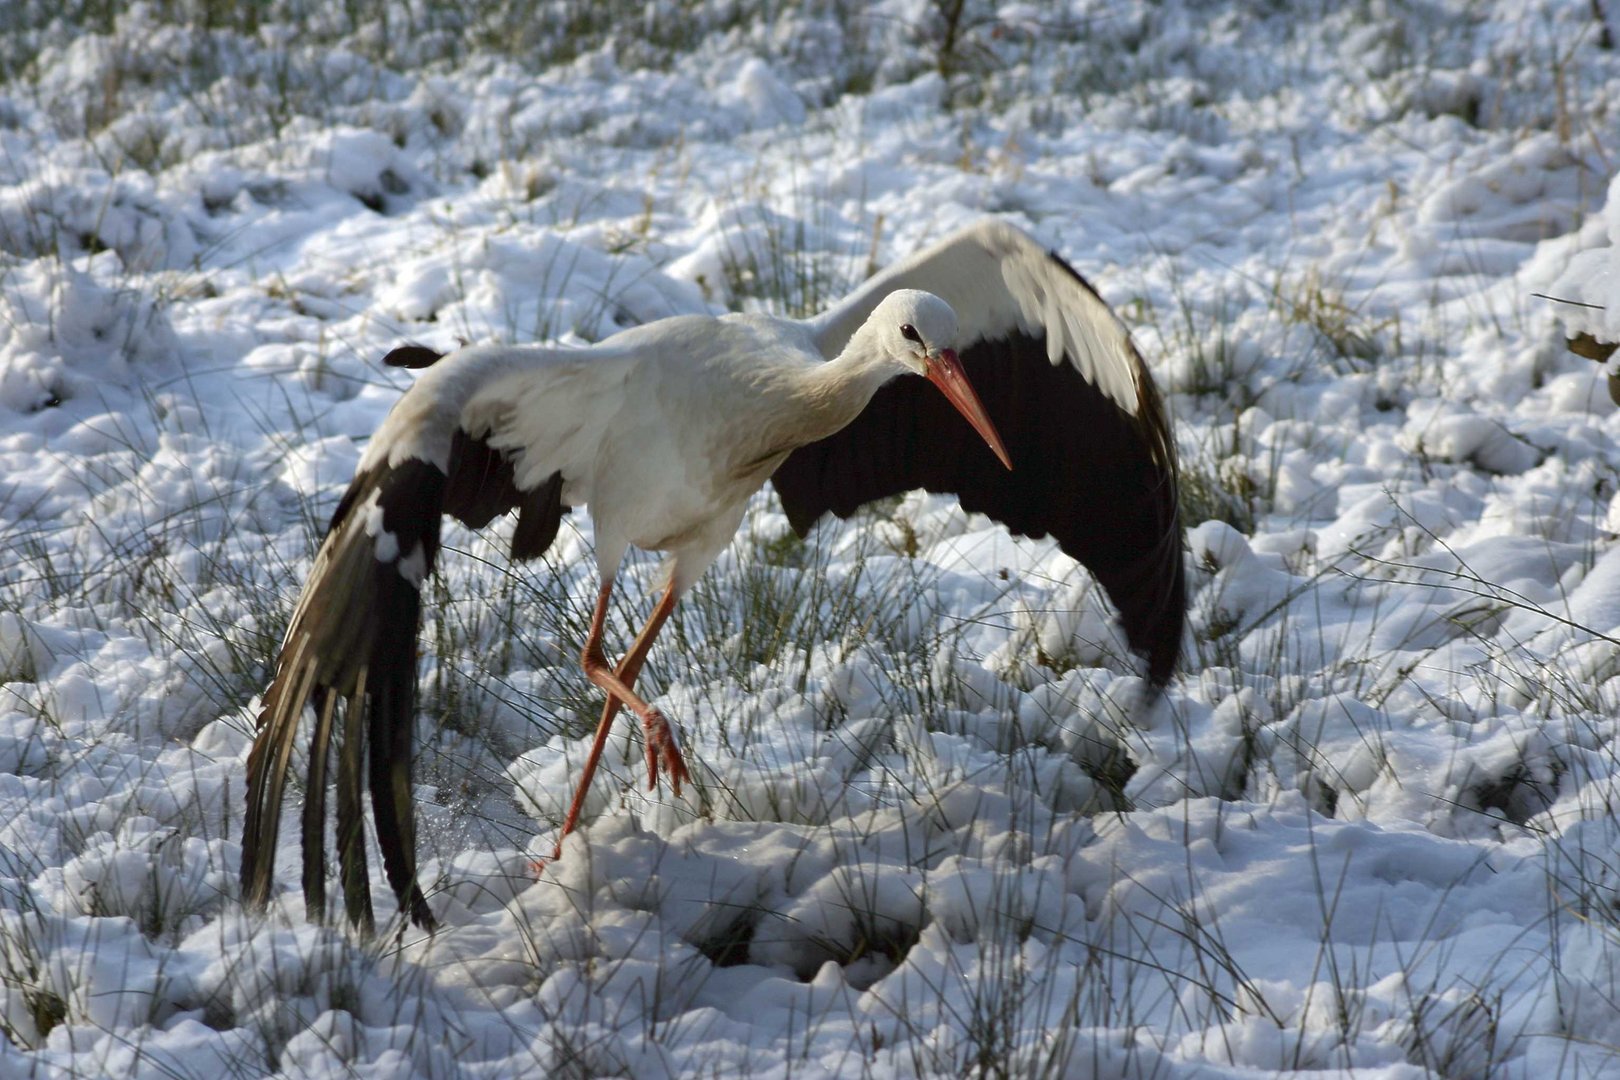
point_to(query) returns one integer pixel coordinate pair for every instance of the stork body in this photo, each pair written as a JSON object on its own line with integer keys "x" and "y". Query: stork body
{"x": 664, "y": 432}
{"x": 615, "y": 422}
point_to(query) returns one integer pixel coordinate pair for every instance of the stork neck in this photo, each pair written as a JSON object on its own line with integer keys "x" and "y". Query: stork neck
{"x": 839, "y": 389}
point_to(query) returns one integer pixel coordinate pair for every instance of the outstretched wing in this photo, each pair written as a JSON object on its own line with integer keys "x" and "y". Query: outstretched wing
{"x": 350, "y": 648}
{"x": 1094, "y": 463}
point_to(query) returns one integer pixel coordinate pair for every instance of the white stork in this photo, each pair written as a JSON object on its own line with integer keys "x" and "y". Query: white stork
{"x": 665, "y": 431}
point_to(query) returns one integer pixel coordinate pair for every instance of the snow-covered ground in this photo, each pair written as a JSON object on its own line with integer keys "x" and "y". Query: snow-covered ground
{"x": 1370, "y": 829}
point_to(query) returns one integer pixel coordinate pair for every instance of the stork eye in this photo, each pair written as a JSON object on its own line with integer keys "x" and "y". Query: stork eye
{"x": 909, "y": 332}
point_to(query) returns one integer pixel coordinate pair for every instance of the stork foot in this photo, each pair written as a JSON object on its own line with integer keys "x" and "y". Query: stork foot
{"x": 663, "y": 749}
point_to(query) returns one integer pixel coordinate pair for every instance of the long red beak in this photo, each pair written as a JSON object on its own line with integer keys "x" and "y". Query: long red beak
{"x": 945, "y": 371}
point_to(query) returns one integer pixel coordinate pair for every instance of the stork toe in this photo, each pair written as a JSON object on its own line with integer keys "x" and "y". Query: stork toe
{"x": 663, "y": 749}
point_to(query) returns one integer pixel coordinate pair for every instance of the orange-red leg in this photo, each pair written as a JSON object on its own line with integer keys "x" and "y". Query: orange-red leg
{"x": 662, "y": 745}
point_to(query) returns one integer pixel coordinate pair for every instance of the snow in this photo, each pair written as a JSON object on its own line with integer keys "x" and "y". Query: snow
{"x": 935, "y": 827}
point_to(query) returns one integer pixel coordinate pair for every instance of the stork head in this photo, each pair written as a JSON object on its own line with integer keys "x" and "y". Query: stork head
{"x": 913, "y": 326}
{"x": 918, "y": 330}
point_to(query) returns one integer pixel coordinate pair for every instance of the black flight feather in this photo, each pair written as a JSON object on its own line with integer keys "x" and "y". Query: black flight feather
{"x": 1100, "y": 480}
{"x": 353, "y": 639}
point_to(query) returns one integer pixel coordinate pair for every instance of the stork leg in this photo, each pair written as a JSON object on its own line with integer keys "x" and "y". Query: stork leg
{"x": 662, "y": 744}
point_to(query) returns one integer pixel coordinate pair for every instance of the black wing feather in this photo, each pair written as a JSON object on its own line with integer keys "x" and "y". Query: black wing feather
{"x": 1098, "y": 479}
{"x": 353, "y": 638}
{"x": 412, "y": 356}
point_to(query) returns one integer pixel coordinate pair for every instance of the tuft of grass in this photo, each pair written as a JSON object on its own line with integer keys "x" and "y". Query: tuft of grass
{"x": 781, "y": 262}
{"x": 1352, "y": 338}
